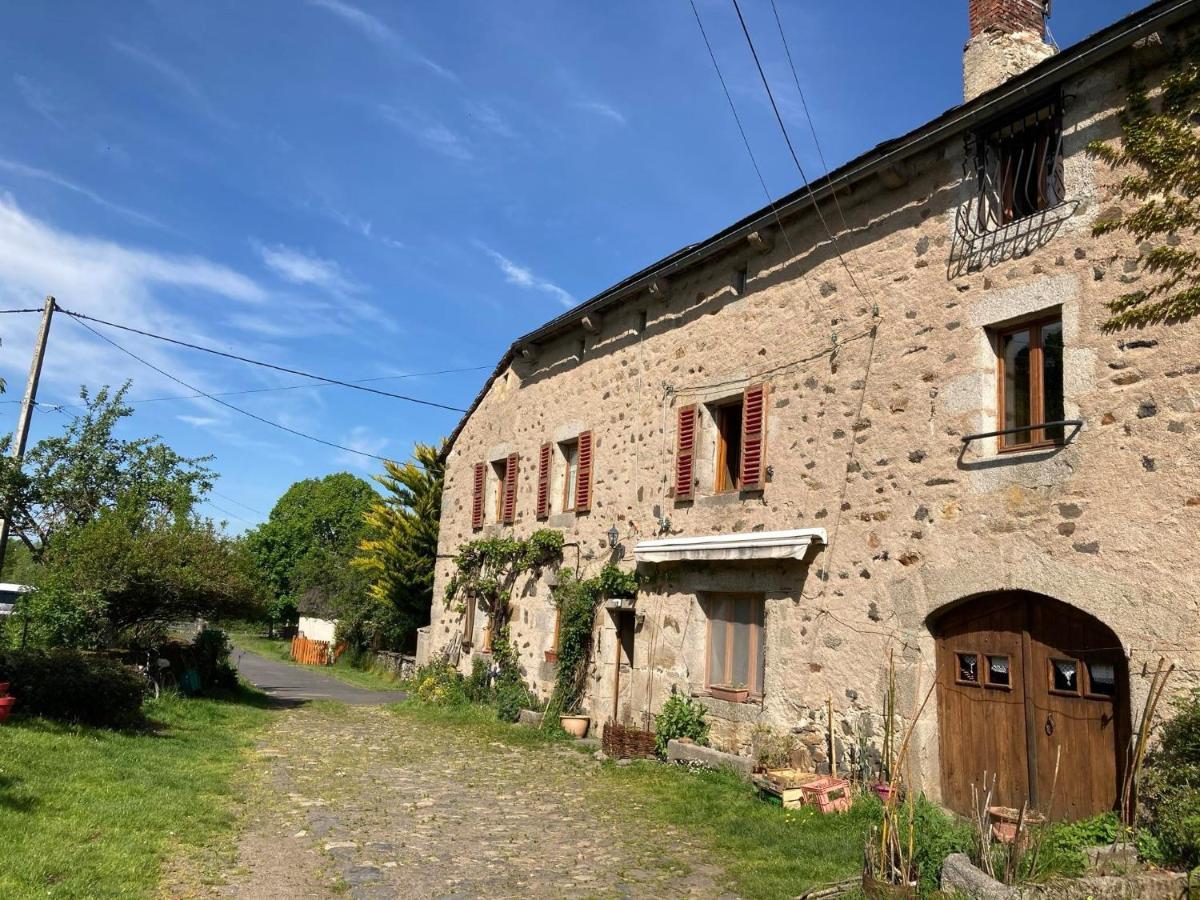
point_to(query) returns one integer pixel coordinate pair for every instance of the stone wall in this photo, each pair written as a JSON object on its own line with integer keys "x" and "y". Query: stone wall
{"x": 877, "y": 352}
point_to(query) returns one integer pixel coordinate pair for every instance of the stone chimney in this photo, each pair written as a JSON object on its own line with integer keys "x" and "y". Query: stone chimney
{"x": 1007, "y": 37}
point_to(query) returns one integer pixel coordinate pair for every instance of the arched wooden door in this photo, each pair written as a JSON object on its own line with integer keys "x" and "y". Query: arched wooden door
{"x": 1023, "y": 679}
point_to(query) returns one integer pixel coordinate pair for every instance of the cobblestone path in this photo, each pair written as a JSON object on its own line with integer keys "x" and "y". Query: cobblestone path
{"x": 370, "y": 802}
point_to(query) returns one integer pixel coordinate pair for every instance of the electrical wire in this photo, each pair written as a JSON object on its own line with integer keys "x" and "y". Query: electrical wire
{"x": 227, "y": 405}
{"x": 257, "y": 512}
{"x": 30, "y": 310}
{"x": 795, "y": 158}
{"x": 255, "y": 362}
{"x": 813, "y": 129}
{"x": 297, "y": 387}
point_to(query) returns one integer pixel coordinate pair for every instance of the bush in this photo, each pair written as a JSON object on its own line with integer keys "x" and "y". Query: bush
{"x": 512, "y": 696}
{"x": 1170, "y": 787}
{"x": 439, "y": 684}
{"x": 210, "y": 654}
{"x": 478, "y": 685}
{"x": 680, "y": 717}
{"x": 73, "y": 687}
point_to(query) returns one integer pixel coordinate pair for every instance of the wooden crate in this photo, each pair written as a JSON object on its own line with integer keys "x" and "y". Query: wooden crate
{"x": 786, "y": 784}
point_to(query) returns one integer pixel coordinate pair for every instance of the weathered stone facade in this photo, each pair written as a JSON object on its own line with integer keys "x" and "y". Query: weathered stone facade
{"x": 877, "y": 350}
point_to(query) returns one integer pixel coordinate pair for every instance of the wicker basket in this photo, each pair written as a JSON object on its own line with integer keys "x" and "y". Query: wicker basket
{"x": 622, "y": 742}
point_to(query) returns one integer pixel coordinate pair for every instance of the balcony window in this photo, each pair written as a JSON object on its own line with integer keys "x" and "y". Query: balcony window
{"x": 1030, "y": 359}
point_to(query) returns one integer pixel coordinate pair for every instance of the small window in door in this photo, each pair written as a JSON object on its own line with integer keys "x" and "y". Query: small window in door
{"x": 968, "y": 668}
{"x": 1064, "y": 676}
{"x": 1102, "y": 680}
{"x": 998, "y": 672}
{"x": 728, "y": 417}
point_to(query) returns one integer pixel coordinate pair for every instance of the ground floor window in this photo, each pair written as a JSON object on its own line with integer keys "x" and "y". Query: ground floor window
{"x": 736, "y": 642}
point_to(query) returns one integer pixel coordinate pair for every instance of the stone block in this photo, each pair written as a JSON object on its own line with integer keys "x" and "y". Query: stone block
{"x": 529, "y": 717}
{"x": 680, "y": 752}
{"x": 960, "y": 876}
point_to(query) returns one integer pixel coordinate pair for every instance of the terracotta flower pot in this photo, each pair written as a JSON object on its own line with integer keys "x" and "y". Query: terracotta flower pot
{"x": 6, "y": 705}
{"x": 551, "y": 656}
{"x": 883, "y": 790}
{"x": 729, "y": 693}
{"x": 575, "y": 726}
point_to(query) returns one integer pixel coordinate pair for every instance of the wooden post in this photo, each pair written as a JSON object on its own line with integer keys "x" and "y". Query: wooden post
{"x": 832, "y": 747}
{"x": 21, "y": 435}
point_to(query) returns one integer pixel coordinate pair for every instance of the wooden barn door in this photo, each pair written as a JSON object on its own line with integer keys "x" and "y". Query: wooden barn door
{"x": 1023, "y": 680}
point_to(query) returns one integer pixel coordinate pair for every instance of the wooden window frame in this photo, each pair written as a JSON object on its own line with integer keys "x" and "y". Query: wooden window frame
{"x": 987, "y": 672}
{"x": 978, "y": 682}
{"x": 1058, "y": 692}
{"x": 569, "y": 480}
{"x": 757, "y": 637}
{"x": 500, "y": 472}
{"x": 1037, "y": 384}
{"x": 733, "y": 409}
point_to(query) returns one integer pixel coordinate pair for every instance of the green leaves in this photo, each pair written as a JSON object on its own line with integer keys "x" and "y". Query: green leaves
{"x": 1164, "y": 145}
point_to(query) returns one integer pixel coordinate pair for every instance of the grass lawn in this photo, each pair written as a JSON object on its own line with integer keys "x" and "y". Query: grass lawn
{"x": 278, "y": 648}
{"x": 768, "y": 851}
{"x": 86, "y": 812}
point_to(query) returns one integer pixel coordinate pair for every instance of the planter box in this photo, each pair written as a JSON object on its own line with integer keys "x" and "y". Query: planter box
{"x": 959, "y": 875}
{"x": 728, "y": 693}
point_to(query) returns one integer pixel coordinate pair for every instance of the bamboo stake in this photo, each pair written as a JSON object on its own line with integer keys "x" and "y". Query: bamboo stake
{"x": 832, "y": 748}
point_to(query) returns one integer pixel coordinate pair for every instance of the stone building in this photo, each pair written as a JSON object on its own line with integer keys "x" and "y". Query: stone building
{"x": 791, "y": 426}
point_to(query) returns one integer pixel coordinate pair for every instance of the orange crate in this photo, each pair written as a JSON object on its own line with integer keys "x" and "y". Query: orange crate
{"x": 828, "y": 794}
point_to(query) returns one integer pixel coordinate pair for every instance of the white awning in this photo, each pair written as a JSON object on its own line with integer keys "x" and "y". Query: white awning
{"x": 742, "y": 545}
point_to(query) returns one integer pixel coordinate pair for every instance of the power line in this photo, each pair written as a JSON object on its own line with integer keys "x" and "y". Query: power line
{"x": 226, "y": 512}
{"x": 257, "y": 512}
{"x": 217, "y": 400}
{"x": 813, "y": 129}
{"x": 749, "y": 151}
{"x": 298, "y": 387}
{"x": 5, "y": 311}
{"x": 255, "y": 362}
{"x": 795, "y": 158}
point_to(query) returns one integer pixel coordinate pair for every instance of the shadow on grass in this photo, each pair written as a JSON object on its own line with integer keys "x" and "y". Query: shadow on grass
{"x": 13, "y": 797}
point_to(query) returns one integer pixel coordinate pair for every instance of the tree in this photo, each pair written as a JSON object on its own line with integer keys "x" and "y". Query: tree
{"x": 65, "y": 481}
{"x": 303, "y": 550}
{"x": 132, "y": 571}
{"x": 400, "y": 552}
{"x": 1163, "y": 145}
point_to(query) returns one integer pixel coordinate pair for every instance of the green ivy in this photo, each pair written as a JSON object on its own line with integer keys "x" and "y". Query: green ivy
{"x": 1163, "y": 146}
{"x": 578, "y": 600}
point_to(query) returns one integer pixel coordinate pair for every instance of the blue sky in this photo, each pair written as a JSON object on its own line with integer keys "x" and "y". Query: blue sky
{"x": 368, "y": 190}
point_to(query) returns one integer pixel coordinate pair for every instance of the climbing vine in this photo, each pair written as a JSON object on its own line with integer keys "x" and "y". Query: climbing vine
{"x": 577, "y": 600}
{"x": 487, "y": 570}
{"x": 1162, "y": 144}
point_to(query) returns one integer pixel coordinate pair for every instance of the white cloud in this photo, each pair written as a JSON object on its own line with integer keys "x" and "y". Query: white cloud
{"x": 600, "y": 108}
{"x": 363, "y": 440}
{"x": 375, "y": 29}
{"x": 430, "y": 132}
{"x": 38, "y": 99}
{"x": 115, "y": 282}
{"x": 24, "y": 171}
{"x": 174, "y": 76}
{"x": 524, "y": 277}
{"x": 304, "y": 268}
{"x": 199, "y": 421}
{"x": 488, "y": 118}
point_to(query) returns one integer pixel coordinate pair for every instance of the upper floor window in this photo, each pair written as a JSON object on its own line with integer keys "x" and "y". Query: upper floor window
{"x": 569, "y": 450}
{"x": 728, "y": 418}
{"x": 1030, "y": 360}
{"x": 1019, "y": 166}
{"x": 499, "y": 481}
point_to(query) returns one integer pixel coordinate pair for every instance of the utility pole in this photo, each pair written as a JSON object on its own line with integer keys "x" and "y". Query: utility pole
{"x": 21, "y": 435}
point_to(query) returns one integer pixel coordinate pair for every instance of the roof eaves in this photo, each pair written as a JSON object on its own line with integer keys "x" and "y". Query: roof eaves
{"x": 1063, "y": 65}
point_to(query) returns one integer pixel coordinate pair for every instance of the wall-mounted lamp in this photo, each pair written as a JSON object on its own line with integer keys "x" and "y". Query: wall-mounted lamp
{"x": 613, "y": 537}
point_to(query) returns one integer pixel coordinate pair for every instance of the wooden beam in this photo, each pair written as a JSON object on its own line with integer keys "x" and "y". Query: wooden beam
{"x": 660, "y": 289}
{"x": 592, "y": 322}
{"x": 762, "y": 241}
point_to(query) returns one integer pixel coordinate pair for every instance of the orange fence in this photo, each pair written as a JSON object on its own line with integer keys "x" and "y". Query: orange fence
{"x": 315, "y": 653}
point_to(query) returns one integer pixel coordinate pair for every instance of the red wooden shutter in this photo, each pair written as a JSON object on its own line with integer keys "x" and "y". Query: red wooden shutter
{"x": 543, "y": 483}
{"x": 583, "y": 475}
{"x": 510, "y": 490}
{"x": 754, "y": 437}
{"x": 477, "y": 495}
{"x": 685, "y": 454}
